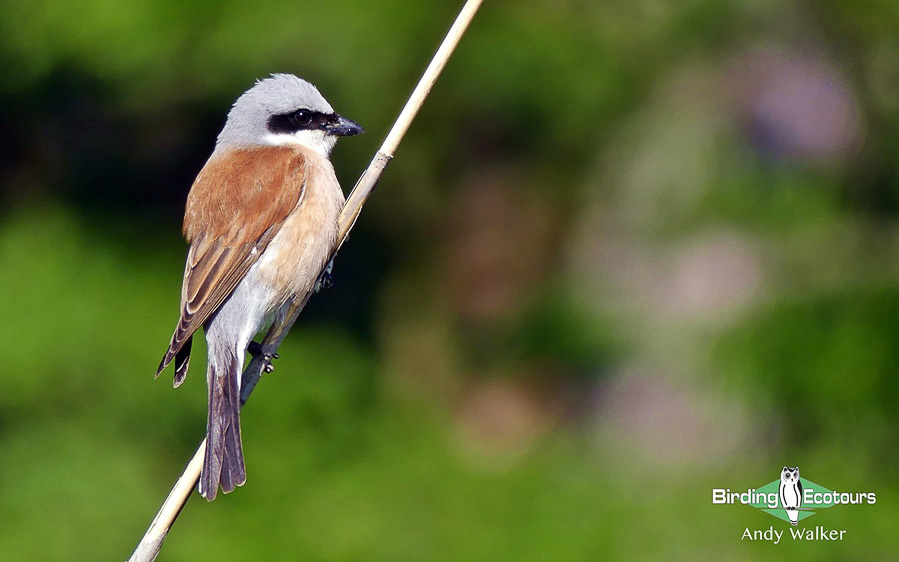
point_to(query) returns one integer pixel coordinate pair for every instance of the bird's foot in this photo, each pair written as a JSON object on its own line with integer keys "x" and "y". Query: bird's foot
{"x": 255, "y": 349}
{"x": 325, "y": 280}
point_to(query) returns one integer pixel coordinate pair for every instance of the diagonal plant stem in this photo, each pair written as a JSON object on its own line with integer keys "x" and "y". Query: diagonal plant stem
{"x": 151, "y": 543}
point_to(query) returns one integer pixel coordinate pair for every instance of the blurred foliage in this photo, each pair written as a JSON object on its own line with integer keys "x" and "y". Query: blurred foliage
{"x": 629, "y": 252}
{"x": 842, "y": 345}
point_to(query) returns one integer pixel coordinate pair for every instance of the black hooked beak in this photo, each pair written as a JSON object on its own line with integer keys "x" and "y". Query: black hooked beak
{"x": 343, "y": 127}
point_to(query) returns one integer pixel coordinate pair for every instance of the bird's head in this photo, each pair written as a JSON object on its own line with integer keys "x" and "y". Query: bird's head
{"x": 284, "y": 110}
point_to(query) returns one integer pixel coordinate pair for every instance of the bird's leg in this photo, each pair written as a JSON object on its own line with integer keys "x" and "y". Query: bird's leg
{"x": 255, "y": 349}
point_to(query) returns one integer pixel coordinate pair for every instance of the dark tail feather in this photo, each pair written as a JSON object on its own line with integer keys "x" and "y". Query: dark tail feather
{"x": 179, "y": 351}
{"x": 223, "y": 465}
{"x": 182, "y": 361}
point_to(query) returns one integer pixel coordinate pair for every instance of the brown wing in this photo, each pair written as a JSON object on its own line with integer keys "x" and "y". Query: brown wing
{"x": 236, "y": 206}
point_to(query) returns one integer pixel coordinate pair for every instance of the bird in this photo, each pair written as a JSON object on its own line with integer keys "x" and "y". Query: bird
{"x": 791, "y": 493}
{"x": 261, "y": 220}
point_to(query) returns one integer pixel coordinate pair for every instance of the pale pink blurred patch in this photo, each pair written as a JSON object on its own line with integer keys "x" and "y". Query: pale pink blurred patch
{"x": 655, "y": 417}
{"x": 797, "y": 105}
{"x": 707, "y": 277}
{"x": 498, "y": 421}
{"x": 711, "y": 276}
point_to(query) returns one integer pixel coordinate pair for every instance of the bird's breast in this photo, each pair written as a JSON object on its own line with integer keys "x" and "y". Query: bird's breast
{"x": 290, "y": 265}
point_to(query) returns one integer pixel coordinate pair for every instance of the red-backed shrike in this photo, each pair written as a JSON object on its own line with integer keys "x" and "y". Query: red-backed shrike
{"x": 261, "y": 221}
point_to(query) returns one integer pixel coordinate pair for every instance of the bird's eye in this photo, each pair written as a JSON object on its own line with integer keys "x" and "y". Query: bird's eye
{"x": 302, "y": 117}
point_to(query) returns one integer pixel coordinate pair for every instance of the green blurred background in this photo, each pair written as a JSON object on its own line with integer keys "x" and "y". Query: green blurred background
{"x": 629, "y": 252}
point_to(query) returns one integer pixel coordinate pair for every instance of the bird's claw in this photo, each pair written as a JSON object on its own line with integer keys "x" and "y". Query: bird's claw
{"x": 325, "y": 280}
{"x": 255, "y": 349}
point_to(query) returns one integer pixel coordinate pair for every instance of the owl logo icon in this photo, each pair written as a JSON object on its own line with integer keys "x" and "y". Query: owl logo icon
{"x": 791, "y": 492}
